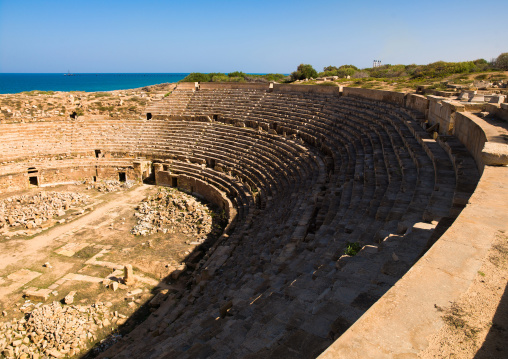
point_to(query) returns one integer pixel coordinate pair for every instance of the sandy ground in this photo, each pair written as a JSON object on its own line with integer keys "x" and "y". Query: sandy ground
{"x": 476, "y": 326}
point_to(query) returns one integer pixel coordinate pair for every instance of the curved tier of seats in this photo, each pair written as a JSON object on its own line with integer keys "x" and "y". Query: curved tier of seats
{"x": 309, "y": 173}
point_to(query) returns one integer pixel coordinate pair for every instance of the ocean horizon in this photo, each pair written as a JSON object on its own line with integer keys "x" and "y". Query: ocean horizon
{"x": 11, "y": 83}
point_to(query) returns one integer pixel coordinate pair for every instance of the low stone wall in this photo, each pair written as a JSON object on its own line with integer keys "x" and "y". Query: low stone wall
{"x": 397, "y": 98}
{"x": 186, "y": 86}
{"x": 307, "y": 89}
{"x": 472, "y": 135}
{"x": 233, "y": 86}
{"x": 210, "y": 193}
{"x": 499, "y": 110}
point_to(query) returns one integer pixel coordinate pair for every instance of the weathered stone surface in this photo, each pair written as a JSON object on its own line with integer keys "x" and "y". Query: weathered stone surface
{"x": 69, "y": 298}
{"x": 38, "y": 295}
{"x": 495, "y": 154}
{"x": 128, "y": 275}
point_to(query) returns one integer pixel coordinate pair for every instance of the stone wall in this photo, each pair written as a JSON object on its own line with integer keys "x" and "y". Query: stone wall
{"x": 397, "y": 98}
{"x": 285, "y": 88}
{"x": 417, "y": 102}
{"x": 499, "y": 110}
{"x": 186, "y": 85}
{"x": 443, "y": 112}
{"x": 471, "y": 134}
{"x": 210, "y": 193}
{"x": 232, "y": 86}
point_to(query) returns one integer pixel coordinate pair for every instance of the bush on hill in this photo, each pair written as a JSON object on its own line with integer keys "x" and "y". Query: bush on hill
{"x": 220, "y": 78}
{"x": 502, "y": 61}
{"x": 236, "y": 76}
{"x": 341, "y": 71}
{"x": 304, "y": 71}
{"x": 197, "y": 77}
{"x": 437, "y": 69}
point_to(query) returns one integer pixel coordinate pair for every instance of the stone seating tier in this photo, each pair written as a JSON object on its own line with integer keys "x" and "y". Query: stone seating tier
{"x": 308, "y": 173}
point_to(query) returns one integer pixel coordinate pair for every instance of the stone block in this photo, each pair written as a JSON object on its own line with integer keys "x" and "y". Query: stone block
{"x": 38, "y": 295}
{"x": 495, "y": 154}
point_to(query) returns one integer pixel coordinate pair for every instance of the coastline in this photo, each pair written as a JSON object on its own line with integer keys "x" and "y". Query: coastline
{"x": 14, "y": 83}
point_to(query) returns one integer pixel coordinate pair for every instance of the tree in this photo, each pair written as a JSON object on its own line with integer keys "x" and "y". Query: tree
{"x": 237, "y": 74}
{"x": 304, "y": 71}
{"x": 480, "y": 62}
{"x": 502, "y": 61}
{"x": 330, "y": 68}
{"x": 344, "y": 67}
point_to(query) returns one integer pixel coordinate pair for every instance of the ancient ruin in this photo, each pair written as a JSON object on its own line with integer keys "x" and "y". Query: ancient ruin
{"x": 343, "y": 217}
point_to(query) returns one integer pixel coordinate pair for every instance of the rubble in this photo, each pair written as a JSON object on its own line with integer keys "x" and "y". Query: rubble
{"x": 110, "y": 185}
{"x": 171, "y": 211}
{"x": 56, "y": 331}
{"x": 33, "y": 211}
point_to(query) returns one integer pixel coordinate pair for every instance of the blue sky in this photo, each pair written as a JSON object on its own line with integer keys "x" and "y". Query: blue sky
{"x": 251, "y": 36}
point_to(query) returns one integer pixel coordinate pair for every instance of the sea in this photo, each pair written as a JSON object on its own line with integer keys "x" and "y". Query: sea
{"x": 14, "y": 83}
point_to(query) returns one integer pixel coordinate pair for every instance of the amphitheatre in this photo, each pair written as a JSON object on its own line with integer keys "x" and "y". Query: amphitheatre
{"x": 415, "y": 186}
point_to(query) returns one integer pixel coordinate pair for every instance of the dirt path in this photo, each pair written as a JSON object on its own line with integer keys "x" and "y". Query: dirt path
{"x": 24, "y": 251}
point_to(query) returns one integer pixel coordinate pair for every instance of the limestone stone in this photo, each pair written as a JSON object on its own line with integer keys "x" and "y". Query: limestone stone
{"x": 69, "y": 298}
{"x": 38, "y": 295}
{"x": 128, "y": 275}
{"x": 495, "y": 154}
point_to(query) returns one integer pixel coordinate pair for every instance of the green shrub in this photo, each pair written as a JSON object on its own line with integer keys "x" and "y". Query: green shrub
{"x": 443, "y": 69}
{"x": 352, "y": 248}
{"x": 197, "y": 77}
{"x": 237, "y": 74}
{"x": 274, "y": 77}
{"x": 219, "y": 78}
{"x": 341, "y": 71}
{"x": 480, "y": 62}
{"x": 502, "y": 61}
{"x": 304, "y": 71}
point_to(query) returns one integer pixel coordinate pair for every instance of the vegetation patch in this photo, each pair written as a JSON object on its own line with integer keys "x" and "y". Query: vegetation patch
{"x": 236, "y": 76}
{"x": 86, "y": 253}
{"x": 456, "y": 318}
{"x": 353, "y": 248}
